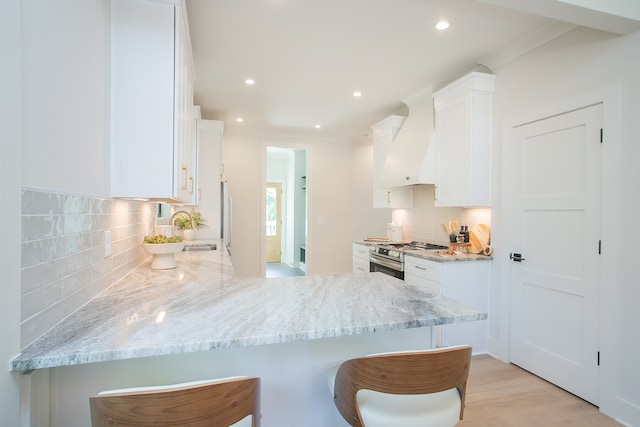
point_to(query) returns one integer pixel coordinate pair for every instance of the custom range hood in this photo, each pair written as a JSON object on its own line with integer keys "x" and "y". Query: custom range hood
{"x": 411, "y": 157}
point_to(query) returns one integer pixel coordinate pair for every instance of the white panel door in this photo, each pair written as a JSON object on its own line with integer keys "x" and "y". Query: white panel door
{"x": 556, "y": 202}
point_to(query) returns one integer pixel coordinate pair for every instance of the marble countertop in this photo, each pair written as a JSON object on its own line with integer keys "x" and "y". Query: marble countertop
{"x": 200, "y": 305}
{"x": 432, "y": 254}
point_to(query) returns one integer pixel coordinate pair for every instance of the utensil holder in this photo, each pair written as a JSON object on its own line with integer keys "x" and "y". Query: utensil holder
{"x": 459, "y": 247}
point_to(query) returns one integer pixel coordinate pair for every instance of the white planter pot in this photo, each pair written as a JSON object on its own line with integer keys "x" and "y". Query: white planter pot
{"x": 163, "y": 254}
{"x": 189, "y": 234}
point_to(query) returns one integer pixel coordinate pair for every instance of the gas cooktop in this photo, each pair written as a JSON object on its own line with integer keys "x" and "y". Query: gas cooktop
{"x": 413, "y": 245}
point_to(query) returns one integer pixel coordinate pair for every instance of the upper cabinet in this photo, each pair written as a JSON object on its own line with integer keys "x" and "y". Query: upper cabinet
{"x": 153, "y": 152}
{"x": 384, "y": 133}
{"x": 463, "y": 141}
{"x": 191, "y": 151}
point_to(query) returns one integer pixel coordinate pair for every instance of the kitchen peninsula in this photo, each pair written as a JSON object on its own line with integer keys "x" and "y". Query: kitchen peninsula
{"x": 198, "y": 321}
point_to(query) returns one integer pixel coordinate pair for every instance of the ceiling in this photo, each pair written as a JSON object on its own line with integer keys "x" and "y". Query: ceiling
{"x": 307, "y": 57}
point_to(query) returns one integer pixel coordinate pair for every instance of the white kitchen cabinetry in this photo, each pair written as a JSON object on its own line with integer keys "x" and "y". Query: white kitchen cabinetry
{"x": 463, "y": 141}
{"x": 467, "y": 282}
{"x": 152, "y": 150}
{"x": 209, "y": 176}
{"x": 360, "y": 258}
{"x": 383, "y": 134}
{"x": 195, "y": 189}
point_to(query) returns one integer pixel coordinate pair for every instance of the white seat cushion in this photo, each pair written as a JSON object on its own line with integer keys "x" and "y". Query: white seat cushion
{"x": 440, "y": 409}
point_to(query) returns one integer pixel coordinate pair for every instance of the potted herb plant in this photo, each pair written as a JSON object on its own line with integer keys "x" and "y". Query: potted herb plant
{"x": 189, "y": 223}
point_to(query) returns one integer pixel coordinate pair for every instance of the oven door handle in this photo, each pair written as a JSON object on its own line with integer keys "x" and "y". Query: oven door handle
{"x": 384, "y": 262}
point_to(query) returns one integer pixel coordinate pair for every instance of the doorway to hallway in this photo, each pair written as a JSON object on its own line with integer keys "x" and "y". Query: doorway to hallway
{"x": 285, "y": 211}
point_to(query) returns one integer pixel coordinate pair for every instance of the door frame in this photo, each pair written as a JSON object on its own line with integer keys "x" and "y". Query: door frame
{"x": 309, "y": 192}
{"x": 610, "y": 98}
{"x": 278, "y": 235}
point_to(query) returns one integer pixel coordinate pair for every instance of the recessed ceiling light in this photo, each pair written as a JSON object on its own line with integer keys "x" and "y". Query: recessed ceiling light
{"x": 317, "y": 126}
{"x": 250, "y": 81}
{"x": 357, "y": 94}
{"x": 442, "y": 25}
{"x": 239, "y": 120}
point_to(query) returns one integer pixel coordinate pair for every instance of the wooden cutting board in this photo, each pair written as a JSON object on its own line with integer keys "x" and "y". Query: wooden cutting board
{"x": 480, "y": 238}
{"x": 476, "y": 246}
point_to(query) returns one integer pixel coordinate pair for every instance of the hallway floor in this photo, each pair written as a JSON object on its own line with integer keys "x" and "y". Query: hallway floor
{"x": 276, "y": 269}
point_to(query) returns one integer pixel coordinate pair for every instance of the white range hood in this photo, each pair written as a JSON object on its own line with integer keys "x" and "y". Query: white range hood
{"x": 411, "y": 157}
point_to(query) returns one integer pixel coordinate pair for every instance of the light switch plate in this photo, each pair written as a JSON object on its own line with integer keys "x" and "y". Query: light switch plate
{"x": 107, "y": 243}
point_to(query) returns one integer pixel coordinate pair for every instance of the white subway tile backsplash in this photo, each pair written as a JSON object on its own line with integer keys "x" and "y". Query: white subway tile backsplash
{"x": 40, "y": 299}
{"x": 40, "y": 275}
{"x": 63, "y": 264}
{"x": 423, "y": 222}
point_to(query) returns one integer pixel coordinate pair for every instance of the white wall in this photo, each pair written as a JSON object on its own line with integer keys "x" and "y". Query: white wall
{"x": 577, "y": 63}
{"x": 65, "y": 95}
{"x": 365, "y": 220}
{"x": 10, "y": 115}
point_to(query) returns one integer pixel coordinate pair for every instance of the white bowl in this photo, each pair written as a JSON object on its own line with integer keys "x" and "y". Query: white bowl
{"x": 163, "y": 254}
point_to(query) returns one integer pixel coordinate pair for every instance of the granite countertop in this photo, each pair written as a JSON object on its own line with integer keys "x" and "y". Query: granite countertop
{"x": 432, "y": 254}
{"x": 200, "y": 305}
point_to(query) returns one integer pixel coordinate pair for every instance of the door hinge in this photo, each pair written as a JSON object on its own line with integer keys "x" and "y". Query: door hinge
{"x": 598, "y": 358}
{"x": 599, "y": 247}
{"x": 601, "y": 135}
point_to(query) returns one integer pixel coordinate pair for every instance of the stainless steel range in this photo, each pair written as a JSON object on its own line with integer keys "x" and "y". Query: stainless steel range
{"x": 388, "y": 258}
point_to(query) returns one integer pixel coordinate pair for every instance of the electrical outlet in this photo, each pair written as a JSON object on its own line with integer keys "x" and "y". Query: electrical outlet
{"x": 107, "y": 243}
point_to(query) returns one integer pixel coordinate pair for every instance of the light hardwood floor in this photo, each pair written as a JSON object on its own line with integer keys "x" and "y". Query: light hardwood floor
{"x": 500, "y": 394}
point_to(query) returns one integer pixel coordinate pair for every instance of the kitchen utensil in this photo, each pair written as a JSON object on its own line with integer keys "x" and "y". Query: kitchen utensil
{"x": 454, "y": 226}
{"x": 446, "y": 230}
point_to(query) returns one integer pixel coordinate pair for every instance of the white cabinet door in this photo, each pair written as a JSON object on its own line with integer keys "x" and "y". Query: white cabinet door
{"x": 463, "y": 142}
{"x": 467, "y": 282}
{"x": 360, "y": 258}
{"x": 151, "y": 101}
{"x": 383, "y": 134}
{"x": 191, "y": 156}
{"x": 209, "y": 176}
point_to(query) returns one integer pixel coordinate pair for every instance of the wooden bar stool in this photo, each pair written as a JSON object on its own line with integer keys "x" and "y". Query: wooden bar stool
{"x": 404, "y": 389}
{"x": 233, "y": 401}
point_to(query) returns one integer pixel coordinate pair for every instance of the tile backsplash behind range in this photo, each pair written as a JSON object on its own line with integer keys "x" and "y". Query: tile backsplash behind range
{"x": 63, "y": 262}
{"x": 423, "y": 221}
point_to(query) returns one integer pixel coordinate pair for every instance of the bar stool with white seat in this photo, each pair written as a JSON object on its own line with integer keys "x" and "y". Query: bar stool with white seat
{"x": 232, "y": 401}
{"x": 403, "y": 389}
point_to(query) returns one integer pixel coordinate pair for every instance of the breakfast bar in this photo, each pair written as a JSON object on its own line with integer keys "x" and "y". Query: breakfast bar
{"x": 199, "y": 321}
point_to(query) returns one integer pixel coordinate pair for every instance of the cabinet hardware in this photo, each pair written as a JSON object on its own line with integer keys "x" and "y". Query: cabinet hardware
{"x": 420, "y": 267}
{"x": 516, "y": 257}
{"x": 185, "y": 174}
